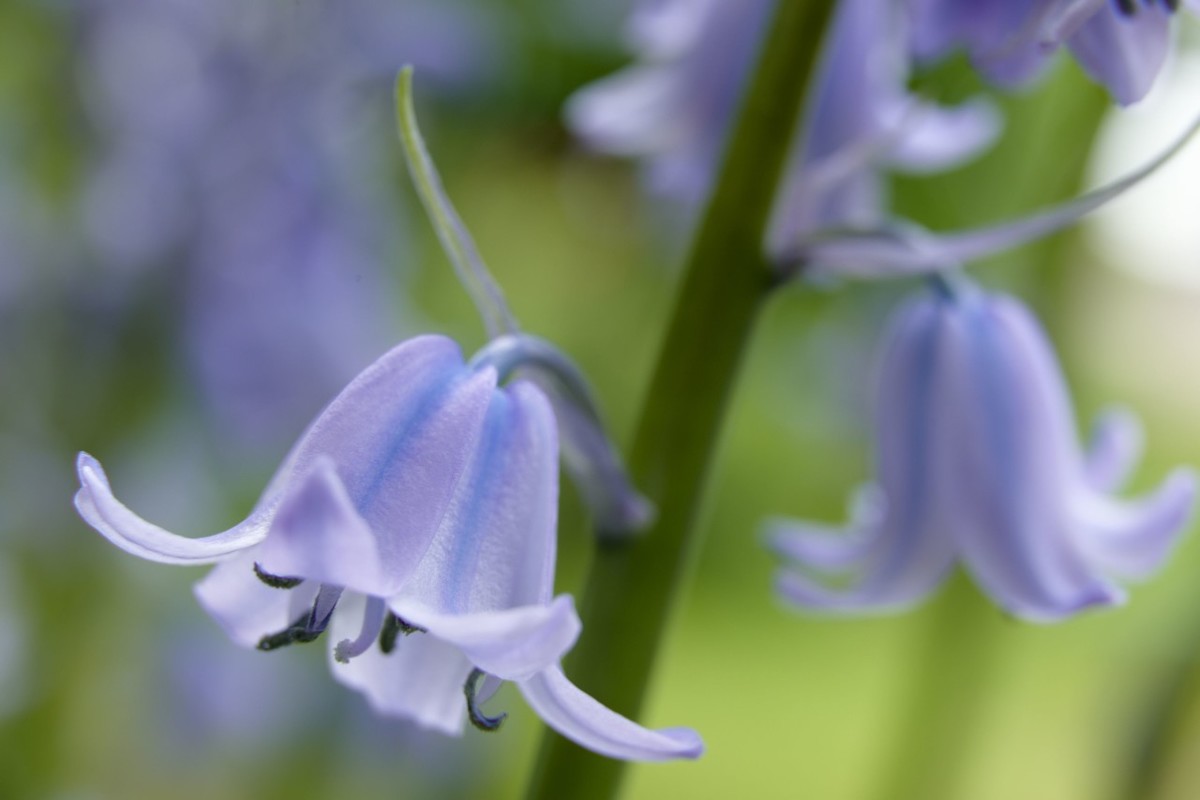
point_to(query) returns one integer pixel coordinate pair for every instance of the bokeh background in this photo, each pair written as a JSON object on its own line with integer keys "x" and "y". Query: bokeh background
{"x": 205, "y": 230}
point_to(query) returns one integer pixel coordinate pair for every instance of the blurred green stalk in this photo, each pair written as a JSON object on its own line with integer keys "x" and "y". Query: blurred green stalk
{"x": 1166, "y": 764}
{"x": 633, "y": 582}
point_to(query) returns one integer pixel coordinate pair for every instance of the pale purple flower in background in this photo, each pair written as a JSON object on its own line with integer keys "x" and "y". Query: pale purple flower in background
{"x": 247, "y": 149}
{"x": 1121, "y": 44}
{"x": 977, "y": 462}
{"x": 424, "y": 498}
{"x": 674, "y": 109}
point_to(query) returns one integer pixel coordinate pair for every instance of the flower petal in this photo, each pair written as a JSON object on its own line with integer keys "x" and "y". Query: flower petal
{"x": 401, "y": 434}
{"x": 588, "y": 454}
{"x": 828, "y": 548}
{"x": 1114, "y": 450}
{"x": 941, "y": 137}
{"x": 628, "y": 113}
{"x": 1132, "y": 539}
{"x": 511, "y": 644}
{"x": 495, "y": 548}
{"x": 421, "y": 679}
{"x": 583, "y": 720}
{"x": 1125, "y": 53}
{"x": 1015, "y": 474}
{"x": 245, "y": 607}
{"x": 318, "y": 534}
{"x": 113, "y": 520}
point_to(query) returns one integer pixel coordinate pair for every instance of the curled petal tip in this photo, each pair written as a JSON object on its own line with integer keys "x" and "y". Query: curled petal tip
{"x": 582, "y": 719}
{"x": 1104, "y": 596}
{"x": 114, "y": 521}
{"x": 1114, "y": 449}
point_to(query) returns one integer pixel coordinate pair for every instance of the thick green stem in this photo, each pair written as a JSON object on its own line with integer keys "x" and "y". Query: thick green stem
{"x": 632, "y": 584}
{"x": 1166, "y": 755}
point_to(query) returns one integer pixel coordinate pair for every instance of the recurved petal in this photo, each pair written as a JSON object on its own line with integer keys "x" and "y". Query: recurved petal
{"x": 319, "y": 535}
{"x": 511, "y": 644}
{"x": 879, "y": 591}
{"x": 245, "y": 607}
{"x": 1125, "y": 53}
{"x": 1131, "y": 539}
{"x": 421, "y": 679}
{"x": 113, "y": 520}
{"x": 583, "y": 720}
{"x": 1114, "y": 450}
{"x": 933, "y": 137}
{"x": 628, "y": 113}
{"x": 825, "y": 548}
{"x": 828, "y": 548}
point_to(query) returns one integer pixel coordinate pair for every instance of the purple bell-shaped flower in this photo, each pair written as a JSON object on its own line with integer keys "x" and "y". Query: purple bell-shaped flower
{"x": 422, "y": 500}
{"x": 977, "y": 462}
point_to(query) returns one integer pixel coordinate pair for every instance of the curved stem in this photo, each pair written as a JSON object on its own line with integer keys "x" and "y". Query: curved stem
{"x": 633, "y": 583}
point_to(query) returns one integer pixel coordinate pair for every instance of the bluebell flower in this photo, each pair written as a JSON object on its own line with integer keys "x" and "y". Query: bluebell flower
{"x": 422, "y": 501}
{"x": 675, "y": 107}
{"x": 977, "y": 464}
{"x": 1121, "y": 44}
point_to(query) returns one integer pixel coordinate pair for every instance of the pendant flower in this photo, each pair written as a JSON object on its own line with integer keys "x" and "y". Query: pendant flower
{"x": 422, "y": 500}
{"x": 1121, "y": 44}
{"x": 977, "y": 461}
{"x": 674, "y": 109}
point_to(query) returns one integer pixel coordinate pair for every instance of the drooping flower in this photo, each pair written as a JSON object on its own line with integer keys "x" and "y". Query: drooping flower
{"x": 1121, "y": 44}
{"x": 977, "y": 463}
{"x": 423, "y": 499}
{"x": 675, "y": 108}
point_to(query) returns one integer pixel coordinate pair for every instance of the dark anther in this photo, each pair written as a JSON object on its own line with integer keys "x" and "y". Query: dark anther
{"x": 476, "y": 715}
{"x": 1127, "y": 7}
{"x": 393, "y": 626}
{"x": 276, "y": 581}
{"x": 299, "y": 631}
{"x": 309, "y": 627}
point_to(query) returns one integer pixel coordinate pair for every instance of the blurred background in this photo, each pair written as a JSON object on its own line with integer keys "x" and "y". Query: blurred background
{"x": 206, "y": 230}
